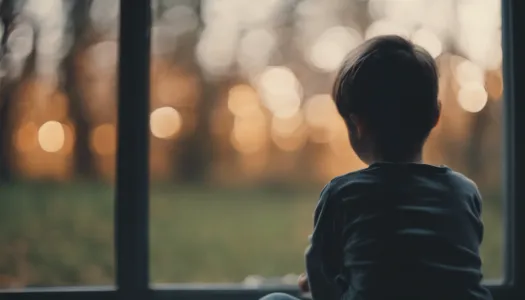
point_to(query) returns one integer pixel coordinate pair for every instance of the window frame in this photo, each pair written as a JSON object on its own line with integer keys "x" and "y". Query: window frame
{"x": 132, "y": 184}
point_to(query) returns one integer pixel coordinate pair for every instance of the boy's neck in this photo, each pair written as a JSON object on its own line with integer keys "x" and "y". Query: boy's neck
{"x": 417, "y": 158}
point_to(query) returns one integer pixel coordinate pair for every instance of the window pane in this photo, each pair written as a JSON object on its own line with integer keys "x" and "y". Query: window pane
{"x": 244, "y": 134}
{"x": 57, "y": 124}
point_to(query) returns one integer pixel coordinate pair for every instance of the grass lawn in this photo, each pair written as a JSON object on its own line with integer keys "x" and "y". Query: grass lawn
{"x": 54, "y": 234}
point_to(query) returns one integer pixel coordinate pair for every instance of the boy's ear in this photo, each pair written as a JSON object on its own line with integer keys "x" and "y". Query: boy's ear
{"x": 355, "y": 124}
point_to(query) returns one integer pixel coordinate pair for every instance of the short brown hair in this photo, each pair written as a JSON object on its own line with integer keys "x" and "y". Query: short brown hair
{"x": 393, "y": 85}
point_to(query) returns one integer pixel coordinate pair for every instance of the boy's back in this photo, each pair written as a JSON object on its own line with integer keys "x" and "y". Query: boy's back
{"x": 397, "y": 231}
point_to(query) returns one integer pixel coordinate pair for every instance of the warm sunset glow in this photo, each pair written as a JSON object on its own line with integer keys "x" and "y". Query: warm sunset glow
{"x": 249, "y": 133}
{"x": 104, "y": 139}
{"x": 51, "y": 136}
{"x": 289, "y": 134}
{"x": 320, "y": 110}
{"x": 242, "y": 100}
{"x": 26, "y": 138}
{"x": 467, "y": 72}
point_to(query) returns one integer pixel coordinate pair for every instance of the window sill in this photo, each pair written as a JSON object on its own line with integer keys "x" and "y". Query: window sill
{"x": 193, "y": 292}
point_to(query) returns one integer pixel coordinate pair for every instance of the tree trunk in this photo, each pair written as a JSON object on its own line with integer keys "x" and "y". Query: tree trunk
{"x": 196, "y": 155}
{"x": 83, "y": 158}
{"x": 5, "y": 134}
{"x": 8, "y": 11}
{"x": 195, "y": 158}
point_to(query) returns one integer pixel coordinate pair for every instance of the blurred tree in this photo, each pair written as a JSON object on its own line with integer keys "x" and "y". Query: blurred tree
{"x": 10, "y": 16}
{"x": 78, "y": 24}
{"x": 195, "y": 156}
{"x": 6, "y": 14}
{"x": 473, "y": 153}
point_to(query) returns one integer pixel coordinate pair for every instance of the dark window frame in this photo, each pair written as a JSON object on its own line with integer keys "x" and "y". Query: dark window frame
{"x": 132, "y": 191}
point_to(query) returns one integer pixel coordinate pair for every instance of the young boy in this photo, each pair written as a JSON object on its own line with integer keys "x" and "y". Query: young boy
{"x": 399, "y": 229}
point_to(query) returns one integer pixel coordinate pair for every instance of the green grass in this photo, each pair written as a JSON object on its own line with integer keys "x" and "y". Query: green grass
{"x": 54, "y": 234}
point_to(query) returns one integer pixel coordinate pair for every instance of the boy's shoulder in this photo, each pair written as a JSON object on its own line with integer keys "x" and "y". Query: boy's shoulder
{"x": 465, "y": 183}
{"x": 462, "y": 178}
{"x": 368, "y": 178}
{"x": 359, "y": 177}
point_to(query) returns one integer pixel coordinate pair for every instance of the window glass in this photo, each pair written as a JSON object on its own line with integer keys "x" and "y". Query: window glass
{"x": 57, "y": 148}
{"x": 244, "y": 133}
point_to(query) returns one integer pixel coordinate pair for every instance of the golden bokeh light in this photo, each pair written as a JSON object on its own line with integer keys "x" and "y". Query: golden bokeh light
{"x": 175, "y": 88}
{"x": 494, "y": 84}
{"x": 467, "y": 72}
{"x": 51, "y": 136}
{"x": 472, "y": 97}
{"x": 165, "y": 122}
{"x": 322, "y": 117}
{"x": 429, "y": 41}
{"x": 104, "y": 139}
{"x": 261, "y": 62}
{"x": 339, "y": 144}
{"x": 287, "y": 126}
{"x": 242, "y": 100}
{"x": 26, "y": 137}
{"x": 289, "y": 134}
{"x": 319, "y": 110}
{"x": 385, "y": 27}
{"x": 332, "y": 46}
{"x": 292, "y": 143}
{"x": 249, "y": 134}
{"x": 280, "y": 90}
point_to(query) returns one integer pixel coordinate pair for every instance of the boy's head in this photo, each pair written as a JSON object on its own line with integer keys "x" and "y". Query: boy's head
{"x": 387, "y": 93}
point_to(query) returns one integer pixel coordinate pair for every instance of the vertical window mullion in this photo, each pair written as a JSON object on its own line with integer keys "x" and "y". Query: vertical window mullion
{"x": 513, "y": 27}
{"x": 131, "y": 220}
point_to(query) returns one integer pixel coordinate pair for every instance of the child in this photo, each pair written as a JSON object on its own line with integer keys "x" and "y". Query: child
{"x": 399, "y": 229}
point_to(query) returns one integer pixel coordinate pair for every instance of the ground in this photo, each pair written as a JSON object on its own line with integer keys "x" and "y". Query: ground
{"x": 53, "y": 234}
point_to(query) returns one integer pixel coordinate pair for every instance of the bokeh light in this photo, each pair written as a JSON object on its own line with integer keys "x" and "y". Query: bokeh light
{"x": 386, "y": 27}
{"x": 104, "y": 139}
{"x": 249, "y": 134}
{"x": 472, "y": 97}
{"x": 165, "y": 122}
{"x": 20, "y": 41}
{"x": 51, "y": 136}
{"x": 242, "y": 100}
{"x": 429, "y": 41}
{"x": 331, "y": 48}
{"x": 319, "y": 110}
{"x": 289, "y": 134}
{"x": 26, "y": 138}
{"x": 280, "y": 90}
{"x": 256, "y": 48}
{"x": 467, "y": 72}
{"x": 322, "y": 116}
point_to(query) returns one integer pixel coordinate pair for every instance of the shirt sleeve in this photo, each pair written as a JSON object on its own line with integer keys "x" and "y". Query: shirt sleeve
{"x": 323, "y": 257}
{"x": 478, "y": 204}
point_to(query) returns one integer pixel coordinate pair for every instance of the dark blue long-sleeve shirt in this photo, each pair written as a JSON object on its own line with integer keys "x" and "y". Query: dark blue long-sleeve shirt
{"x": 397, "y": 231}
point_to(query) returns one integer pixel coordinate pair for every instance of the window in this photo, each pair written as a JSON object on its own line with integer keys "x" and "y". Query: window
{"x": 57, "y": 113}
{"x": 220, "y": 157}
{"x": 245, "y": 133}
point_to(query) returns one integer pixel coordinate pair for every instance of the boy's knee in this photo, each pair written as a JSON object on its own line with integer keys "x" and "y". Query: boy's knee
{"x": 278, "y": 296}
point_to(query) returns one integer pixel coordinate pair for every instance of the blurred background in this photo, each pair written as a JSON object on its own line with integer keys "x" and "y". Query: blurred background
{"x": 243, "y": 131}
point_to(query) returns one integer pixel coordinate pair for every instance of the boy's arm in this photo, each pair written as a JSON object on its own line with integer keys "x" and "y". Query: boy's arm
{"x": 323, "y": 260}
